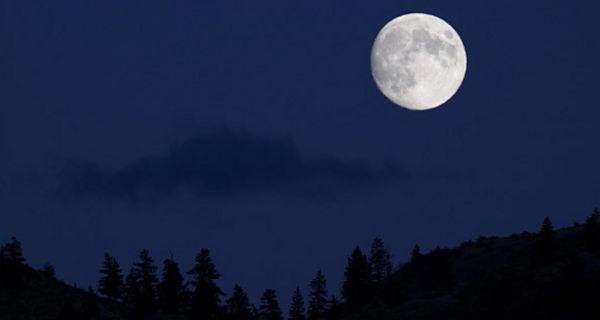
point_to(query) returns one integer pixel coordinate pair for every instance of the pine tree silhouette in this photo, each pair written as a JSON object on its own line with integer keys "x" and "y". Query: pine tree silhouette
{"x": 269, "y": 307}
{"x": 297, "y": 307}
{"x": 547, "y": 228}
{"x": 591, "y": 230}
{"x": 132, "y": 289}
{"x": 380, "y": 262}
{"x": 111, "y": 283}
{"x": 48, "y": 270}
{"x": 141, "y": 286}
{"x": 317, "y": 305}
{"x": 12, "y": 264}
{"x": 356, "y": 285}
{"x": 171, "y": 288}
{"x": 415, "y": 254}
{"x": 206, "y": 295}
{"x": 12, "y": 251}
{"x": 547, "y": 239}
{"x": 238, "y": 305}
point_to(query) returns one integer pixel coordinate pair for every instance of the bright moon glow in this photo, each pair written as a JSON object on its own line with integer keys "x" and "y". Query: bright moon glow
{"x": 418, "y": 61}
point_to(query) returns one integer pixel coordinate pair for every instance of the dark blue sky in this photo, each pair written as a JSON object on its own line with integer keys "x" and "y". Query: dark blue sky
{"x": 257, "y": 131}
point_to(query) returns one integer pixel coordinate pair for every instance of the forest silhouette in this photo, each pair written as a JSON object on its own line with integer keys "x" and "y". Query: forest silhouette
{"x": 549, "y": 274}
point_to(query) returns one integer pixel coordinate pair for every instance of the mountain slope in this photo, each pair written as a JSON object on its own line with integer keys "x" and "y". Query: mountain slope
{"x": 26, "y": 293}
{"x": 545, "y": 275}
{"x": 526, "y": 276}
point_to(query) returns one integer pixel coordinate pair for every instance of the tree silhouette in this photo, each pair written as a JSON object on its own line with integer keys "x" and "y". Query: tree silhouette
{"x": 317, "y": 305}
{"x": 48, "y": 270}
{"x": 171, "y": 288}
{"x": 269, "y": 307}
{"x": 238, "y": 305}
{"x": 111, "y": 283}
{"x": 141, "y": 286}
{"x": 206, "y": 295}
{"x": 591, "y": 230}
{"x": 357, "y": 279}
{"x": 441, "y": 284}
{"x": 415, "y": 254}
{"x": 297, "y": 307}
{"x": 380, "y": 262}
{"x": 12, "y": 264}
{"x": 12, "y": 251}
{"x": 547, "y": 239}
{"x": 547, "y": 228}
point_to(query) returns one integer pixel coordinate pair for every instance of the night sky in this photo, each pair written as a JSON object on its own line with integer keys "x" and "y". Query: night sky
{"x": 255, "y": 129}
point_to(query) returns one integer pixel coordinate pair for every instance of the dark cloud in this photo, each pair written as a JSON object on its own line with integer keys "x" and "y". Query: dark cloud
{"x": 221, "y": 163}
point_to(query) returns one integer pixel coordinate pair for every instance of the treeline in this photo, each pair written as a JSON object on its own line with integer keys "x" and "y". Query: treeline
{"x": 144, "y": 294}
{"x": 369, "y": 279}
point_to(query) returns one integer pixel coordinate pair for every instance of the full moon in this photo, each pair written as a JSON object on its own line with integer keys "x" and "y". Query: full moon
{"x": 418, "y": 61}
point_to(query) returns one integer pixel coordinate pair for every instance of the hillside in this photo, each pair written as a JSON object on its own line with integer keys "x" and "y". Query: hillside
{"x": 524, "y": 276}
{"x": 552, "y": 274}
{"x": 27, "y": 293}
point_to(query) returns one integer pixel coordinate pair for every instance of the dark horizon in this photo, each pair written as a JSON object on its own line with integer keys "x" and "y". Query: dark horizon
{"x": 256, "y": 130}
{"x": 334, "y": 289}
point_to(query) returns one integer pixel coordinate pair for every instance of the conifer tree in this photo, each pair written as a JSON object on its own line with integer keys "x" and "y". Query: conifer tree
{"x": 12, "y": 251}
{"x": 546, "y": 244}
{"x": 594, "y": 218}
{"x": 141, "y": 285}
{"x": 317, "y": 305}
{"x": 48, "y": 270}
{"x": 547, "y": 239}
{"x": 380, "y": 262}
{"x": 297, "y": 307}
{"x": 238, "y": 305}
{"x": 12, "y": 267}
{"x": 132, "y": 289}
{"x": 357, "y": 279}
{"x": 415, "y": 254}
{"x": 269, "y": 307}
{"x": 111, "y": 283}
{"x": 547, "y": 228}
{"x": 206, "y": 295}
{"x": 591, "y": 230}
{"x": 171, "y": 288}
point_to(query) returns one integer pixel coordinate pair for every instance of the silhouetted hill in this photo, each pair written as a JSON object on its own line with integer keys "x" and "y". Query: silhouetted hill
{"x": 524, "y": 276}
{"x": 26, "y": 293}
{"x": 545, "y": 275}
